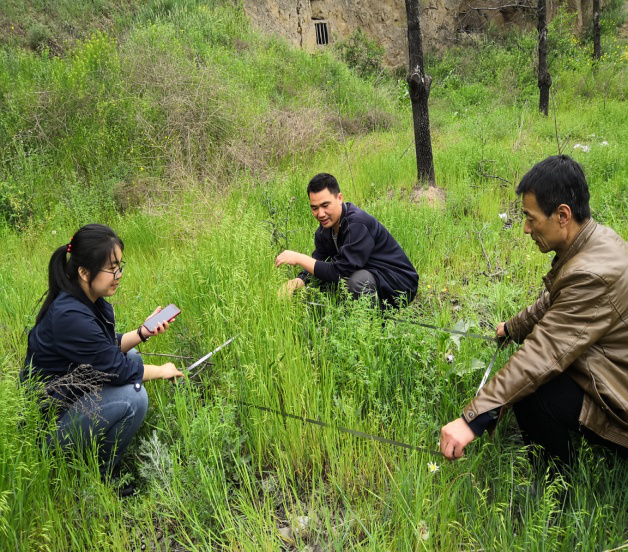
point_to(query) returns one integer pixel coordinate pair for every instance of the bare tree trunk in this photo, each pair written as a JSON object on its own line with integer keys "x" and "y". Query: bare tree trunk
{"x": 597, "y": 46}
{"x": 545, "y": 79}
{"x": 580, "y": 13}
{"x": 419, "y": 84}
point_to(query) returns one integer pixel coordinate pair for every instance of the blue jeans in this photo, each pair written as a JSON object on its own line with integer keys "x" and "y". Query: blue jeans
{"x": 109, "y": 418}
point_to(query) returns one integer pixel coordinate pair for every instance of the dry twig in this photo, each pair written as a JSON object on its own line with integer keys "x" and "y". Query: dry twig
{"x": 80, "y": 382}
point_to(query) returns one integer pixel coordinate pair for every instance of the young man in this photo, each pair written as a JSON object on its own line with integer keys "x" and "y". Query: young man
{"x": 352, "y": 245}
{"x": 571, "y": 373}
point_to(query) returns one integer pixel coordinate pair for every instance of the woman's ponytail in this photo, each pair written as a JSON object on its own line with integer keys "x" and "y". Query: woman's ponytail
{"x": 57, "y": 279}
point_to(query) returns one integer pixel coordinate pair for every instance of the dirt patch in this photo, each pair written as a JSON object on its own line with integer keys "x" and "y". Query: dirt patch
{"x": 433, "y": 196}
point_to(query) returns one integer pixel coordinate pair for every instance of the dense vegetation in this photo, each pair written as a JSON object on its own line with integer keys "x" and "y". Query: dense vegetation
{"x": 194, "y": 137}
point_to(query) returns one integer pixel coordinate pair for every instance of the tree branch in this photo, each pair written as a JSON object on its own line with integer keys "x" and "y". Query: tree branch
{"x": 486, "y": 175}
{"x": 499, "y": 8}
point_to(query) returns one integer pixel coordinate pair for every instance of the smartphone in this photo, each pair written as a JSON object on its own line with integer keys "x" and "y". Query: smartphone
{"x": 167, "y": 314}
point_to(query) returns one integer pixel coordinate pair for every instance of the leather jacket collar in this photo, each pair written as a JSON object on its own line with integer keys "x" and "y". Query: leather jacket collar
{"x": 559, "y": 262}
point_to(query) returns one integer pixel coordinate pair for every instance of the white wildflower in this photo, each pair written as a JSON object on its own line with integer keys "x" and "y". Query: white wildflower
{"x": 424, "y": 531}
{"x": 433, "y": 467}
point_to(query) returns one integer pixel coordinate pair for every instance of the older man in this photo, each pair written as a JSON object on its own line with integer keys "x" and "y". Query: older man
{"x": 354, "y": 246}
{"x": 571, "y": 373}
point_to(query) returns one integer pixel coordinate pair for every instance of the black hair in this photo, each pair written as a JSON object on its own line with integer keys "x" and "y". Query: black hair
{"x": 557, "y": 180}
{"x": 90, "y": 248}
{"x": 321, "y": 182}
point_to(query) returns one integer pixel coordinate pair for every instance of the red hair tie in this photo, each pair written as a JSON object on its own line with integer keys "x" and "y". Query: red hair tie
{"x": 70, "y": 245}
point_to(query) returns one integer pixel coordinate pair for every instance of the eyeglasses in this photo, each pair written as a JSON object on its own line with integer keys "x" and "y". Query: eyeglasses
{"x": 117, "y": 272}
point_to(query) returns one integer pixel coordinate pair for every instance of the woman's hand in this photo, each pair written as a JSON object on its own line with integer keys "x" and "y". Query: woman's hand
{"x": 170, "y": 371}
{"x": 159, "y": 328}
{"x": 136, "y": 337}
{"x": 166, "y": 371}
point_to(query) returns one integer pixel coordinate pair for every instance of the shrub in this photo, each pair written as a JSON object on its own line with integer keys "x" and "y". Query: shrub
{"x": 362, "y": 54}
{"x": 39, "y": 37}
{"x": 15, "y": 207}
{"x": 184, "y": 113}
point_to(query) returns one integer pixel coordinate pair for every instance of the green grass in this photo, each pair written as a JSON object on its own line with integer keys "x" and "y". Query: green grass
{"x": 216, "y": 474}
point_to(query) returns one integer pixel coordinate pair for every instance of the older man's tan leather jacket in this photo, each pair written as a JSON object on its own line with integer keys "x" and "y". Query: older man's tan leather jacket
{"x": 579, "y": 326}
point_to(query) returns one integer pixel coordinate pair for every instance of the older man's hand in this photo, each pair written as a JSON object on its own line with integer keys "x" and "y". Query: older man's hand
{"x": 454, "y": 437}
{"x": 501, "y": 335}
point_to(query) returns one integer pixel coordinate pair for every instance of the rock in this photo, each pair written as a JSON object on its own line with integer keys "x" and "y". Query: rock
{"x": 286, "y": 534}
{"x": 301, "y": 525}
{"x": 269, "y": 485}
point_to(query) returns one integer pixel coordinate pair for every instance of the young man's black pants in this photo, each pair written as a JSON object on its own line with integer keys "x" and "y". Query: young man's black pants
{"x": 362, "y": 282}
{"x": 548, "y": 416}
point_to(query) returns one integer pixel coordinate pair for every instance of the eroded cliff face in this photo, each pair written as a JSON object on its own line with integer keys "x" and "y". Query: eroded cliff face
{"x": 297, "y": 20}
{"x": 313, "y": 24}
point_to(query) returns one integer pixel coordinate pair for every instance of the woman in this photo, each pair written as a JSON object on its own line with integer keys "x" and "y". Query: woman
{"x": 93, "y": 377}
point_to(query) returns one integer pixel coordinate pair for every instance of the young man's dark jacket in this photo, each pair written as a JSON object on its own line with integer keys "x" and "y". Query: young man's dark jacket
{"x": 364, "y": 243}
{"x": 76, "y": 331}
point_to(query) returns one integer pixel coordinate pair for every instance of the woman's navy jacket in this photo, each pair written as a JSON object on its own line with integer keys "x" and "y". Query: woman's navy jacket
{"x": 76, "y": 331}
{"x": 363, "y": 243}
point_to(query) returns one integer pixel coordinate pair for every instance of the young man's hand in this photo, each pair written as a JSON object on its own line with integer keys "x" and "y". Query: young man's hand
{"x": 454, "y": 437}
{"x": 288, "y": 257}
{"x": 293, "y": 258}
{"x": 289, "y": 288}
